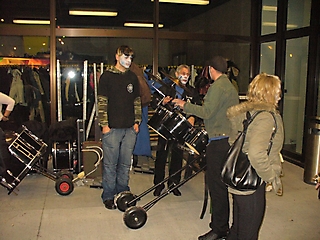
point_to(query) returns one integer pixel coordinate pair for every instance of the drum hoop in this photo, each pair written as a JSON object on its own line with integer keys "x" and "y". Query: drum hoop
{"x": 158, "y": 132}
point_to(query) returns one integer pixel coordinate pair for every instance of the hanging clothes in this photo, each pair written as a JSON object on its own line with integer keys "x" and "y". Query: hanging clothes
{"x": 17, "y": 89}
{"x": 38, "y": 81}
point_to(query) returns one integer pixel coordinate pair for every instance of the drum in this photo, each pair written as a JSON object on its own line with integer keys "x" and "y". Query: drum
{"x": 63, "y": 155}
{"x": 157, "y": 120}
{"x": 27, "y": 147}
{"x": 196, "y": 140}
{"x": 16, "y": 171}
{"x": 27, "y": 150}
{"x": 177, "y": 125}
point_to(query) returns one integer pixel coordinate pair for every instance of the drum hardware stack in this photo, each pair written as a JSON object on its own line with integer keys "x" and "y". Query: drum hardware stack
{"x": 28, "y": 150}
{"x": 92, "y": 155}
{"x": 134, "y": 216}
{"x": 65, "y": 144}
{"x": 64, "y": 156}
{"x": 171, "y": 125}
{"x": 174, "y": 126}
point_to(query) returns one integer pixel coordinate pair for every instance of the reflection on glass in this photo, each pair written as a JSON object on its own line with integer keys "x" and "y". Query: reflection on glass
{"x": 294, "y": 98}
{"x": 269, "y": 16}
{"x": 267, "y": 57}
{"x": 73, "y": 51}
{"x": 24, "y": 46}
{"x": 196, "y": 53}
{"x": 298, "y": 14}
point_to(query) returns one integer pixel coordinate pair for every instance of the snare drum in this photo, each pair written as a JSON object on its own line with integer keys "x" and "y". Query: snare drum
{"x": 157, "y": 120}
{"x": 177, "y": 125}
{"x": 196, "y": 140}
{"x": 27, "y": 147}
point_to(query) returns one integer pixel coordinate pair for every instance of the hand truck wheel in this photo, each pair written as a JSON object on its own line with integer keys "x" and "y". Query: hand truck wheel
{"x": 64, "y": 186}
{"x": 122, "y": 200}
{"x": 135, "y": 217}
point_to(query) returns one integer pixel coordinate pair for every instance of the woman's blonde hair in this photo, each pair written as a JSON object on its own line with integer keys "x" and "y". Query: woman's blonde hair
{"x": 265, "y": 88}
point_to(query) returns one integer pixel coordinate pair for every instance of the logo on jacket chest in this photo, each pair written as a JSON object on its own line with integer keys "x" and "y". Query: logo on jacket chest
{"x": 130, "y": 88}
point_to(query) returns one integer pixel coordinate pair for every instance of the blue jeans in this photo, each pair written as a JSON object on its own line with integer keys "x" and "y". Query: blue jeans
{"x": 117, "y": 147}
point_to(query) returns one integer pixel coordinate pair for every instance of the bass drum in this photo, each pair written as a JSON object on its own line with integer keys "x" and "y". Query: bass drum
{"x": 178, "y": 126}
{"x": 196, "y": 140}
{"x": 62, "y": 156}
{"x": 157, "y": 120}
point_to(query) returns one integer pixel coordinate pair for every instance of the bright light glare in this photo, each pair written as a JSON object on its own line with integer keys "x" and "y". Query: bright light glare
{"x": 71, "y": 74}
{"x": 93, "y": 13}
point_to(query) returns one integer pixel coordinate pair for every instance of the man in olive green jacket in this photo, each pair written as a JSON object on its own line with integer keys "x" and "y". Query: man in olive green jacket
{"x": 220, "y": 96}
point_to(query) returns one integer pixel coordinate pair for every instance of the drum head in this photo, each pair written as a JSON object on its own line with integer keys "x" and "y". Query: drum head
{"x": 177, "y": 125}
{"x": 157, "y": 120}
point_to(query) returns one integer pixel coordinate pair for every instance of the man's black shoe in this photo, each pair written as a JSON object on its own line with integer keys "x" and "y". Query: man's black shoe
{"x": 176, "y": 192}
{"x": 211, "y": 235}
{"x": 157, "y": 191}
{"x": 109, "y": 204}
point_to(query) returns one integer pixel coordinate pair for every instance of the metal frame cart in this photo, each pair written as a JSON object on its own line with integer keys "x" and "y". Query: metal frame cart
{"x": 135, "y": 216}
{"x": 28, "y": 150}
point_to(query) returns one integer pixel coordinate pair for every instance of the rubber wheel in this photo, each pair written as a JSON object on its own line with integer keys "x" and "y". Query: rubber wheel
{"x": 135, "y": 217}
{"x": 122, "y": 200}
{"x": 64, "y": 186}
{"x": 66, "y": 174}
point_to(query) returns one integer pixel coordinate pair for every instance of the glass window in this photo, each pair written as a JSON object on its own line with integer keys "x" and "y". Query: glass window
{"x": 230, "y": 18}
{"x": 23, "y": 58}
{"x": 298, "y": 14}
{"x": 23, "y": 46}
{"x": 172, "y": 52}
{"x": 72, "y": 52}
{"x": 269, "y": 17}
{"x": 99, "y": 49}
{"x": 295, "y": 92}
{"x": 267, "y": 57}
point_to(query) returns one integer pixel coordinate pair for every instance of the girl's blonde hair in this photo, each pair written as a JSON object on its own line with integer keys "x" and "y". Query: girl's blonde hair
{"x": 265, "y": 88}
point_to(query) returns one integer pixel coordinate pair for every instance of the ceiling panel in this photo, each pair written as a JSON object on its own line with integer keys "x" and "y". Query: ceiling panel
{"x": 128, "y": 10}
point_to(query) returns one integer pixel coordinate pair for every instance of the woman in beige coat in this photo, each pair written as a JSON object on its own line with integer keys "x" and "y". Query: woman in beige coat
{"x": 264, "y": 92}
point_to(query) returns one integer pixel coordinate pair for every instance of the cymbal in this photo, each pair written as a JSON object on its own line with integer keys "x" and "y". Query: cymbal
{"x": 176, "y": 81}
{"x": 159, "y": 80}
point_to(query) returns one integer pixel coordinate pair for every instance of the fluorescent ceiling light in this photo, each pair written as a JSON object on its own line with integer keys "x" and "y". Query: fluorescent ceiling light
{"x": 269, "y": 24}
{"x": 196, "y": 2}
{"x": 135, "y": 24}
{"x": 25, "y": 21}
{"x": 273, "y": 24}
{"x": 100, "y": 13}
{"x": 269, "y": 8}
